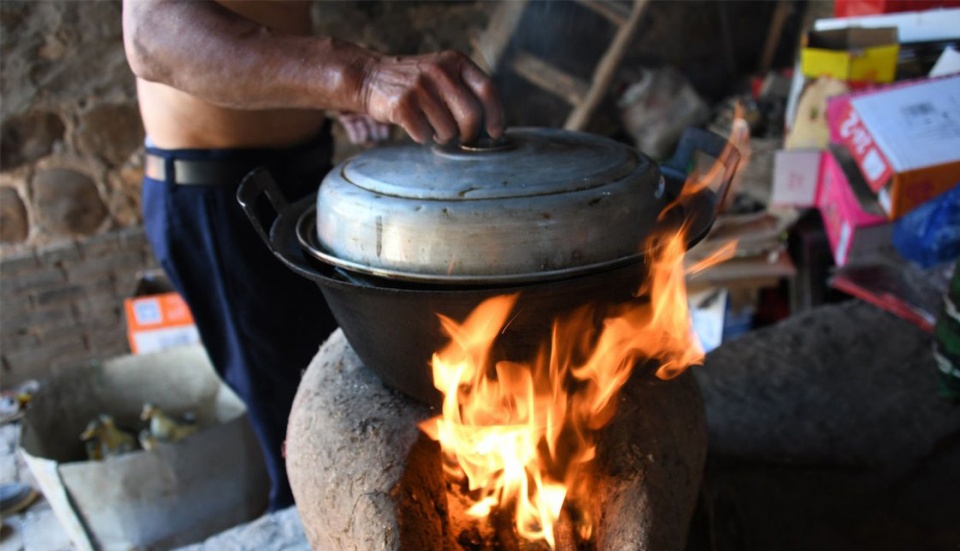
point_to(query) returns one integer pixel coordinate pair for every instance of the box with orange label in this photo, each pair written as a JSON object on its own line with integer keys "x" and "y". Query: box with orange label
{"x": 157, "y": 316}
{"x": 905, "y": 138}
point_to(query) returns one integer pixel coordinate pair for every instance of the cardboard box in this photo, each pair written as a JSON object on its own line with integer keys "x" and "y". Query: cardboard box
{"x": 853, "y": 233}
{"x": 852, "y": 55}
{"x": 852, "y": 8}
{"x": 179, "y": 493}
{"x": 905, "y": 139}
{"x": 157, "y": 317}
{"x": 796, "y": 175}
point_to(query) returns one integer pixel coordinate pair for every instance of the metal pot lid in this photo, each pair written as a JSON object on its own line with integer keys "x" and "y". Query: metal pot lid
{"x": 525, "y": 163}
{"x": 547, "y": 201}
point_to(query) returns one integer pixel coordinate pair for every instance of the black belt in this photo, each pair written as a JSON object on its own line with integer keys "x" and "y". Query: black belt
{"x": 194, "y": 173}
{"x": 229, "y": 172}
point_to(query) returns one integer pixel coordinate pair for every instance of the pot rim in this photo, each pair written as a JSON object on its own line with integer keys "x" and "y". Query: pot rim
{"x": 700, "y": 219}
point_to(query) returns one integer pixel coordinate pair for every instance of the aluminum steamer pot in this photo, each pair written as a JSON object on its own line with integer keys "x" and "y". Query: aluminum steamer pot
{"x": 399, "y": 234}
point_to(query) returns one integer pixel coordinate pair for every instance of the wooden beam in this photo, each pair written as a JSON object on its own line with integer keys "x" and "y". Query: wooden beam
{"x": 615, "y": 12}
{"x": 547, "y": 77}
{"x": 780, "y": 14}
{"x": 489, "y": 47}
{"x": 606, "y": 69}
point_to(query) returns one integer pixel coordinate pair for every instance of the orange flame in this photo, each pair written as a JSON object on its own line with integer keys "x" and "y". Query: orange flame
{"x": 520, "y": 433}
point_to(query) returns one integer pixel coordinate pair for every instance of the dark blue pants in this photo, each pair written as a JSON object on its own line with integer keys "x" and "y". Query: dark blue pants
{"x": 260, "y": 323}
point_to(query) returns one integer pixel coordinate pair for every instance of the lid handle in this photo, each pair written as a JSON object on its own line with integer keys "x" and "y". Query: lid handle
{"x": 485, "y": 143}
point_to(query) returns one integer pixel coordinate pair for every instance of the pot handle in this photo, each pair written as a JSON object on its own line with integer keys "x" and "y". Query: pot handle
{"x": 675, "y": 170}
{"x": 256, "y": 184}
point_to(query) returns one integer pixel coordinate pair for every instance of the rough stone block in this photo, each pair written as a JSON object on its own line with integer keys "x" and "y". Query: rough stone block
{"x": 67, "y": 202}
{"x": 110, "y": 131}
{"x": 14, "y": 221}
{"x": 29, "y": 137}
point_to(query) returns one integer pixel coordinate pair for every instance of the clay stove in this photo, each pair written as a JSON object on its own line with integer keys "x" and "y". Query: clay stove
{"x": 365, "y": 477}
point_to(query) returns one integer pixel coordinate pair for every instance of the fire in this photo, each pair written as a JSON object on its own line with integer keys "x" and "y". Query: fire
{"x": 520, "y": 433}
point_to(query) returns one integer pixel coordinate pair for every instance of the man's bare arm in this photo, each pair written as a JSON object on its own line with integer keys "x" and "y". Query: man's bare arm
{"x": 214, "y": 54}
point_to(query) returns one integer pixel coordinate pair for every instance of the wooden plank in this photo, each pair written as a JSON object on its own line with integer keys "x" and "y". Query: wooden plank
{"x": 615, "y": 12}
{"x": 489, "y": 47}
{"x": 547, "y": 77}
{"x": 780, "y": 14}
{"x": 606, "y": 69}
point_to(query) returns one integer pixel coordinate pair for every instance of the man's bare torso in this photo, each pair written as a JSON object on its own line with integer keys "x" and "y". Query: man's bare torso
{"x": 174, "y": 119}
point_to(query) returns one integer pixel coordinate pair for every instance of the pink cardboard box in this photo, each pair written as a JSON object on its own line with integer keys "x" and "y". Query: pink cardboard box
{"x": 853, "y": 232}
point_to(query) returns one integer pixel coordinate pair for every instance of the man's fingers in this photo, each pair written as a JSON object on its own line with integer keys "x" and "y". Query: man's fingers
{"x": 416, "y": 123}
{"x": 438, "y": 96}
{"x": 433, "y": 105}
{"x": 486, "y": 92}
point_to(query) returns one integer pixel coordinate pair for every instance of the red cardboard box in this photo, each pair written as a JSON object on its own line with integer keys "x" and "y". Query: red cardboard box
{"x": 853, "y": 232}
{"x": 850, "y": 8}
{"x": 905, "y": 139}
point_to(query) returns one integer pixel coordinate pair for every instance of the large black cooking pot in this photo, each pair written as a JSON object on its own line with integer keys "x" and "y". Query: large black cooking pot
{"x": 389, "y": 313}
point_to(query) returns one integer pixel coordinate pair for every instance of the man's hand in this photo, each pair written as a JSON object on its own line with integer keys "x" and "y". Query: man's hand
{"x": 363, "y": 130}
{"x": 438, "y": 96}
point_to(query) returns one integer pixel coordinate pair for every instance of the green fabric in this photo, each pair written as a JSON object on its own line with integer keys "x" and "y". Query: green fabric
{"x": 947, "y": 340}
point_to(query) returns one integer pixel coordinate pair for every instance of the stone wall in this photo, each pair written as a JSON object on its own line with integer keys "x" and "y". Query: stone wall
{"x": 70, "y": 165}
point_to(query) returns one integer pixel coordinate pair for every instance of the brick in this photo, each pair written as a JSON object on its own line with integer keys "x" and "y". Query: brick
{"x": 16, "y": 343}
{"x": 13, "y": 262}
{"x": 58, "y": 252}
{"x": 133, "y": 237}
{"x": 25, "y": 281}
{"x": 58, "y": 295}
{"x": 61, "y": 330}
{"x": 13, "y": 306}
{"x": 42, "y": 356}
{"x": 100, "y": 245}
{"x": 95, "y": 304}
{"x": 36, "y": 318}
{"x": 91, "y": 268}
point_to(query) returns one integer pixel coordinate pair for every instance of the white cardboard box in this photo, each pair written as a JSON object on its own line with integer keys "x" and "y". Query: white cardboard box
{"x": 179, "y": 493}
{"x": 796, "y": 174}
